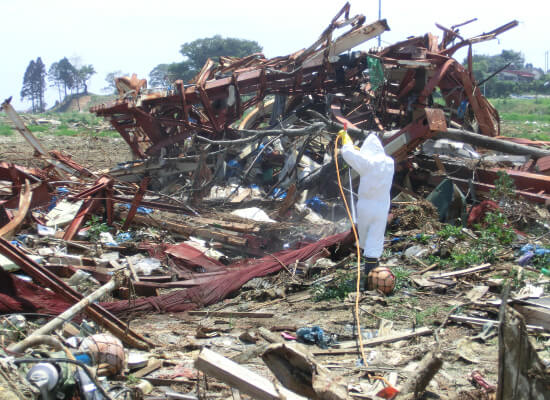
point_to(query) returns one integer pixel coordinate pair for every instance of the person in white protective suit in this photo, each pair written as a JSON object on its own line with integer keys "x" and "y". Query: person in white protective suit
{"x": 376, "y": 171}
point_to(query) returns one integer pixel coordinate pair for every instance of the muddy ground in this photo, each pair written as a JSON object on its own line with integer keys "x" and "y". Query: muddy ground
{"x": 292, "y": 301}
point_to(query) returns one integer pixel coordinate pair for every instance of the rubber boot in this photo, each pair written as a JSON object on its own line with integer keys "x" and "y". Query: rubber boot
{"x": 368, "y": 266}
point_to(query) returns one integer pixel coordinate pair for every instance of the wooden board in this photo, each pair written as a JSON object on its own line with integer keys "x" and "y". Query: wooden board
{"x": 350, "y": 347}
{"x": 232, "y": 314}
{"x": 240, "y": 378}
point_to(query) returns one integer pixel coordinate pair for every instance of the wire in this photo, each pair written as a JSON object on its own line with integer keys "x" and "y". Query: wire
{"x": 358, "y": 291}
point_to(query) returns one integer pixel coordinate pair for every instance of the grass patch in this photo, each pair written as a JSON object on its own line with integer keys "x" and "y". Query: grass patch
{"x": 38, "y": 128}
{"x": 113, "y": 134}
{"x": 5, "y": 130}
{"x": 63, "y": 130}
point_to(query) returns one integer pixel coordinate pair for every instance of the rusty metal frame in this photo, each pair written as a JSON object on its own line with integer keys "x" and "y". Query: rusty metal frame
{"x": 98, "y": 314}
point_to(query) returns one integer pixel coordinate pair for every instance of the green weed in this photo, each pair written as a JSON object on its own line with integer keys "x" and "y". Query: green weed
{"x": 38, "y": 128}
{"x": 402, "y": 279}
{"x": 343, "y": 284}
{"x": 504, "y": 187}
{"x": 63, "y": 130}
{"x": 449, "y": 231}
{"x": 5, "y": 130}
{"x": 96, "y": 227}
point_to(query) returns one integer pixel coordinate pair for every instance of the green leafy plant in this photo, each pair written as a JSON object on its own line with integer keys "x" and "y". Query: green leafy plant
{"x": 343, "y": 284}
{"x": 96, "y": 227}
{"x": 402, "y": 279}
{"x": 449, "y": 231}
{"x": 504, "y": 187}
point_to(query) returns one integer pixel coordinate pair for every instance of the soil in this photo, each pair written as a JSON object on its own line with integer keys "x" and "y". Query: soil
{"x": 93, "y": 152}
{"x": 179, "y": 337}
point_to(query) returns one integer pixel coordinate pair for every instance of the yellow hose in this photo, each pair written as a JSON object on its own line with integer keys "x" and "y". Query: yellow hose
{"x": 358, "y": 291}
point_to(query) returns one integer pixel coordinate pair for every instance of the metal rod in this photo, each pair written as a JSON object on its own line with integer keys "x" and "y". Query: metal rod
{"x": 67, "y": 314}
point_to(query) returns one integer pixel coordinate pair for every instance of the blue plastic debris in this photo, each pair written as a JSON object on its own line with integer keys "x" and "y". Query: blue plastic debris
{"x": 314, "y": 335}
{"x": 316, "y": 204}
{"x": 524, "y": 259}
{"x": 124, "y": 237}
{"x": 462, "y": 108}
{"x": 233, "y": 168}
{"x": 140, "y": 210}
{"x": 529, "y": 253}
{"x": 279, "y": 193}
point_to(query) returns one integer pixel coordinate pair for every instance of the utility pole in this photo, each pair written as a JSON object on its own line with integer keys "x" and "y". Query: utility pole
{"x": 380, "y": 17}
{"x": 546, "y": 62}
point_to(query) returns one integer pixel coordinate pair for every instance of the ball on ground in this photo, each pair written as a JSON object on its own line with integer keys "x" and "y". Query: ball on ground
{"x": 382, "y": 279}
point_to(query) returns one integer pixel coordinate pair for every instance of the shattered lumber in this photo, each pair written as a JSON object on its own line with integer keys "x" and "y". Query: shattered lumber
{"x": 426, "y": 370}
{"x": 302, "y": 374}
{"x": 240, "y": 378}
{"x": 521, "y": 374}
{"x": 25, "y": 199}
{"x": 374, "y": 342}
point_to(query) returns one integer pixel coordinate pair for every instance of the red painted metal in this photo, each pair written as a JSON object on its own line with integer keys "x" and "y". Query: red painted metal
{"x": 46, "y": 278}
{"x": 100, "y": 193}
{"x": 136, "y": 202}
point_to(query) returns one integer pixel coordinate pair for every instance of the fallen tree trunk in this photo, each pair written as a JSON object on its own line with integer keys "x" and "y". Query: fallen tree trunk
{"x": 491, "y": 143}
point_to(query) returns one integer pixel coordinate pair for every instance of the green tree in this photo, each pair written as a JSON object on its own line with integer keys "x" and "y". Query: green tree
{"x": 54, "y": 78}
{"x": 83, "y": 75}
{"x": 39, "y": 79}
{"x": 27, "y": 91}
{"x": 196, "y": 53}
{"x": 200, "y": 50}
{"x": 34, "y": 84}
{"x": 67, "y": 74}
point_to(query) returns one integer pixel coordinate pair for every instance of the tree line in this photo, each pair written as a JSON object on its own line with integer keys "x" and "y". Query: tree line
{"x": 67, "y": 77}
{"x": 490, "y": 72}
{"x": 196, "y": 53}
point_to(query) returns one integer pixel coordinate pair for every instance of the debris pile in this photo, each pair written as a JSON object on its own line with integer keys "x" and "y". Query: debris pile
{"x": 231, "y": 206}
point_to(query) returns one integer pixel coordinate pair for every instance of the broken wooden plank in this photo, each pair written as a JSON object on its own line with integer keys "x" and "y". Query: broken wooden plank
{"x": 521, "y": 373}
{"x": 350, "y": 347}
{"x": 462, "y": 272}
{"x": 483, "y": 321}
{"x": 426, "y": 370}
{"x": 151, "y": 366}
{"x": 232, "y": 314}
{"x": 534, "y": 315}
{"x": 301, "y": 373}
{"x": 188, "y": 230}
{"x": 241, "y": 378}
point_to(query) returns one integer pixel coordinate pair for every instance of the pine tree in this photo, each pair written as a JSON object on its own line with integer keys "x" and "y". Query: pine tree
{"x": 27, "y": 91}
{"x": 55, "y": 78}
{"x": 39, "y": 80}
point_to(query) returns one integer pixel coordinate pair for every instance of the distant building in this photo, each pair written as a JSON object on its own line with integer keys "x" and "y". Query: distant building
{"x": 517, "y": 75}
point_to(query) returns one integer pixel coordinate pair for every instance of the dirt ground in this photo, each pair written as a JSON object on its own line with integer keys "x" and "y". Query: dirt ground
{"x": 94, "y": 152}
{"x": 291, "y": 300}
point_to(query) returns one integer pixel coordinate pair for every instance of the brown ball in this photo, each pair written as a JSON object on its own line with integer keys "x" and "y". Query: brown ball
{"x": 382, "y": 279}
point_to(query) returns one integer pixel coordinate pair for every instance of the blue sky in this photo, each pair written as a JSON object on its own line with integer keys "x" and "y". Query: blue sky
{"x": 135, "y": 36}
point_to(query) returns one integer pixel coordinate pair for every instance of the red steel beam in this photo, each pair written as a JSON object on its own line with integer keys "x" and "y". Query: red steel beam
{"x": 97, "y": 313}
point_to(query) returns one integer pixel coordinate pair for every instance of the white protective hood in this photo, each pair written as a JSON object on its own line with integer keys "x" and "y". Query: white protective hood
{"x": 373, "y": 165}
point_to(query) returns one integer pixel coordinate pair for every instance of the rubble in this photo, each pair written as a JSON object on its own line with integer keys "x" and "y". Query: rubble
{"x": 228, "y": 222}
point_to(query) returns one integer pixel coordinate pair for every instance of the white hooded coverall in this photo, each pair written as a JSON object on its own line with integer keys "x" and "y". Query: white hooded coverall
{"x": 376, "y": 171}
